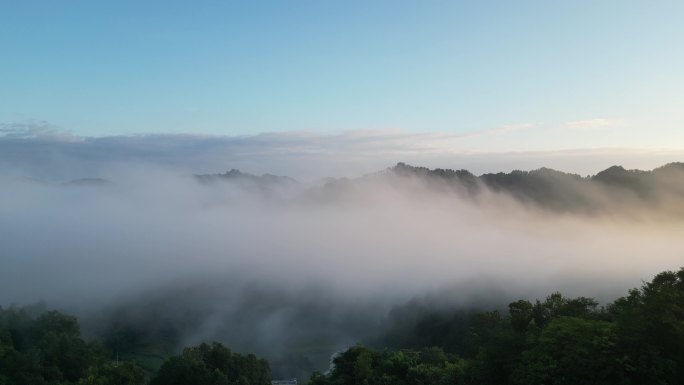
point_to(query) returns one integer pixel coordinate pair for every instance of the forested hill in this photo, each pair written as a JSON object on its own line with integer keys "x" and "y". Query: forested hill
{"x": 265, "y": 186}
{"x": 238, "y": 176}
{"x": 612, "y": 189}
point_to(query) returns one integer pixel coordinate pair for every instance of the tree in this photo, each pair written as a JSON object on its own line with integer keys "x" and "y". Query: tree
{"x": 650, "y": 324}
{"x": 46, "y": 347}
{"x": 110, "y": 373}
{"x": 572, "y": 351}
{"x": 213, "y": 365}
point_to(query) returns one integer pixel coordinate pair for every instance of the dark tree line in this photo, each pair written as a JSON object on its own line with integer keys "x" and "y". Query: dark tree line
{"x": 40, "y": 347}
{"x": 564, "y": 192}
{"x": 213, "y": 365}
{"x": 48, "y": 349}
{"x": 637, "y": 339}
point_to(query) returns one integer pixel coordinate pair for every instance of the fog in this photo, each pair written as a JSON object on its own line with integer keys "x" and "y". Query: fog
{"x": 377, "y": 237}
{"x": 308, "y": 263}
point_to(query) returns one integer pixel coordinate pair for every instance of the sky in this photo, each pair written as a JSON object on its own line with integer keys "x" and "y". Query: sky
{"x": 540, "y": 75}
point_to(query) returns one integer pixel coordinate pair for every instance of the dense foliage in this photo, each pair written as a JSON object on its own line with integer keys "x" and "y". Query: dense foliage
{"x": 48, "y": 349}
{"x": 638, "y": 339}
{"x": 213, "y": 365}
{"x": 40, "y": 347}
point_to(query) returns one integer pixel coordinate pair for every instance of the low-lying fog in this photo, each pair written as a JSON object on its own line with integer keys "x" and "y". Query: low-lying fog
{"x": 258, "y": 271}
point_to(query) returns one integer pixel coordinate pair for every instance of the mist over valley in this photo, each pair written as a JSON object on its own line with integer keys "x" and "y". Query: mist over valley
{"x": 297, "y": 271}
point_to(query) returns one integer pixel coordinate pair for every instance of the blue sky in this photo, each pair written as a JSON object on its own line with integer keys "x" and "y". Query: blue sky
{"x": 610, "y": 71}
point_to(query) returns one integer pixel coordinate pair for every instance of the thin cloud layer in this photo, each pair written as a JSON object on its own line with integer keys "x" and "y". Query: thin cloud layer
{"x": 592, "y": 124}
{"x": 389, "y": 235}
{"x": 39, "y": 150}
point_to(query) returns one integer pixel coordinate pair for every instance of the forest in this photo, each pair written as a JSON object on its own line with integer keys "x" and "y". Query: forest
{"x": 636, "y": 339}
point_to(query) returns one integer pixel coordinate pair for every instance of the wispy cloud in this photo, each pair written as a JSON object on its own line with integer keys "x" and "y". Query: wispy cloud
{"x": 592, "y": 124}
{"x": 43, "y": 150}
{"x": 35, "y": 129}
{"x": 508, "y": 128}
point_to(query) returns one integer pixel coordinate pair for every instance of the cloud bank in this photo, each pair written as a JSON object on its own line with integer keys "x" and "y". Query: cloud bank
{"x": 40, "y": 150}
{"x": 389, "y": 237}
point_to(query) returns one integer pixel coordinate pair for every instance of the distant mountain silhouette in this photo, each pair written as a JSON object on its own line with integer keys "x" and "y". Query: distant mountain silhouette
{"x": 464, "y": 177}
{"x": 614, "y": 189}
{"x": 264, "y": 185}
{"x": 564, "y": 191}
{"x": 237, "y": 175}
